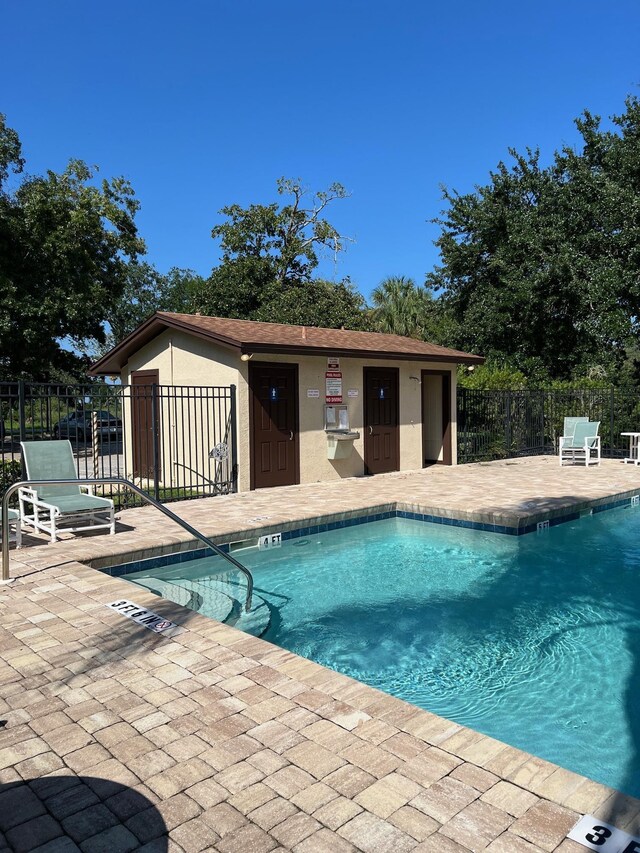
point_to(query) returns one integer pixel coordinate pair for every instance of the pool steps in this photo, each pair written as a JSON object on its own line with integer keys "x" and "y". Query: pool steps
{"x": 218, "y": 598}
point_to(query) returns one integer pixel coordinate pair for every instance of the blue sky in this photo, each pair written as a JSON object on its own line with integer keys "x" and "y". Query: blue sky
{"x": 203, "y": 104}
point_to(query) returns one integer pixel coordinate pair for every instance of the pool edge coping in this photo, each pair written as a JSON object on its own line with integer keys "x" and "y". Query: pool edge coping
{"x": 294, "y": 528}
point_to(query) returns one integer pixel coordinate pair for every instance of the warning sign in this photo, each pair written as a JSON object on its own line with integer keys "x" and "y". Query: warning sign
{"x": 333, "y": 391}
{"x": 146, "y": 618}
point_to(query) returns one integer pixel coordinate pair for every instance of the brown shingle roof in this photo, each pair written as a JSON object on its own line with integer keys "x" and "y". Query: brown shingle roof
{"x": 251, "y": 336}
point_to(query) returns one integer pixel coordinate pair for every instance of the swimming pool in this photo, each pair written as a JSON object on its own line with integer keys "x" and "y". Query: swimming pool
{"x": 534, "y": 640}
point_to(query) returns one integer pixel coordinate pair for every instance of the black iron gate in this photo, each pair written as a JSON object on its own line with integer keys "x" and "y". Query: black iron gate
{"x": 176, "y": 442}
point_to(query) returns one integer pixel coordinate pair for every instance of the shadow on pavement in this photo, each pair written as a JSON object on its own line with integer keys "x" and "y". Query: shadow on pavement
{"x": 78, "y": 813}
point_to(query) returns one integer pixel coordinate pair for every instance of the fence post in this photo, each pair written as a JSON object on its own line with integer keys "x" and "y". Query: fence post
{"x": 21, "y": 423}
{"x": 508, "y": 423}
{"x": 95, "y": 441}
{"x": 463, "y": 410}
{"x": 612, "y": 419}
{"x": 156, "y": 445}
{"x": 21, "y": 409}
{"x": 234, "y": 440}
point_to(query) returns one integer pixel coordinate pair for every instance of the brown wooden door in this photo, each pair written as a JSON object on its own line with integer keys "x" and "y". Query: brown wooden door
{"x": 381, "y": 420}
{"x": 273, "y": 404}
{"x": 143, "y": 401}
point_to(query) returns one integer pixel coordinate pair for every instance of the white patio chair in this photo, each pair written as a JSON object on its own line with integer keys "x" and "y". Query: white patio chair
{"x": 53, "y": 509}
{"x": 583, "y": 446}
{"x": 14, "y": 521}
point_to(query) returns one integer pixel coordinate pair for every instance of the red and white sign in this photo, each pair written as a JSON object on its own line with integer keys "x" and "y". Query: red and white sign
{"x": 333, "y": 362}
{"x": 333, "y": 391}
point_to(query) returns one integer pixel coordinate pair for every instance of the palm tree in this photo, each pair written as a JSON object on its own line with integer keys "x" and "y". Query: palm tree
{"x": 400, "y": 307}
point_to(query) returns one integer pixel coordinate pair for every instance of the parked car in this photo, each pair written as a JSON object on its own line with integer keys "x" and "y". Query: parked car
{"x": 78, "y": 426}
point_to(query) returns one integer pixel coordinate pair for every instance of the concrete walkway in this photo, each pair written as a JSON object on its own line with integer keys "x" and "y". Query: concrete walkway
{"x": 117, "y": 739}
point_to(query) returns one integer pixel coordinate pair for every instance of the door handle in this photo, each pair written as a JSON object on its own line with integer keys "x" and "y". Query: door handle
{"x": 370, "y": 430}
{"x": 290, "y": 435}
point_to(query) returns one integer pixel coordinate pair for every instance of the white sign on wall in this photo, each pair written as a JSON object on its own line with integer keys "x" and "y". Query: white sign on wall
{"x": 333, "y": 392}
{"x": 333, "y": 362}
{"x": 353, "y": 392}
{"x": 313, "y": 392}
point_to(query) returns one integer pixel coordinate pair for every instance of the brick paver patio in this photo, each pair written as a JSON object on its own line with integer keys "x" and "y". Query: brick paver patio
{"x": 115, "y": 739}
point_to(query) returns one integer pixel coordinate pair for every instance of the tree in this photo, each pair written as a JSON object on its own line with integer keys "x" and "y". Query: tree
{"x": 317, "y": 303}
{"x": 284, "y": 240}
{"x": 401, "y": 308}
{"x": 146, "y": 291}
{"x": 541, "y": 265}
{"x": 269, "y": 256}
{"x": 65, "y": 246}
{"x": 236, "y": 288}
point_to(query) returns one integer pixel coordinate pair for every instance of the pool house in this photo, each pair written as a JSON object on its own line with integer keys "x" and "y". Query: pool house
{"x": 307, "y": 404}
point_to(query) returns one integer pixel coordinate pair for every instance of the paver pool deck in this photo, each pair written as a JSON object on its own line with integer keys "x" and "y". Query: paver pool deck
{"x": 117, "y": 739}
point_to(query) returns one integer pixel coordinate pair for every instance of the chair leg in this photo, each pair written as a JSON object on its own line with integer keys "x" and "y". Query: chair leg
{"x": 112, "y": 519}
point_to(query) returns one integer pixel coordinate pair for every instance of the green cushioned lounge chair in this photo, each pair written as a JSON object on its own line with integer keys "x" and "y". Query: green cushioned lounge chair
{"x": 53, "y": 509}
{"x": 14, "y": 521}
{"x": 583, "y": 446}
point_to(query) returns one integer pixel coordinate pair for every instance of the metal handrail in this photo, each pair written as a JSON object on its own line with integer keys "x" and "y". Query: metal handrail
{"x": 119, "y": 481}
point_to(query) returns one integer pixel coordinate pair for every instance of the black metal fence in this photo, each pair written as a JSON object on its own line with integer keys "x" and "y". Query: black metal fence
{"x": 505, "y": 424}
{"x": 176, "y": 442}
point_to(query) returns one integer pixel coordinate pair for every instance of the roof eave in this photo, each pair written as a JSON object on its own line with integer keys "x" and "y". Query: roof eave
{"x": 112, "y": 363}
{"x": 293, "y": 349}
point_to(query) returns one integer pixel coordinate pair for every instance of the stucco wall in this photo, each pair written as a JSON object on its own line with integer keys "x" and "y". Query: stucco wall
{"x": 314, "y": 464}
{"x": 184, "y": 360}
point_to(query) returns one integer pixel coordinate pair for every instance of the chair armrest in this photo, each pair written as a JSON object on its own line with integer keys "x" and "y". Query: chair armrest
{"x": 28, "y": 494}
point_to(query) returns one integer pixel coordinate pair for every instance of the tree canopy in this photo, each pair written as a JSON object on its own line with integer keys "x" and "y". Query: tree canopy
{"x": 400, "y": 307}
{"x": 269, "y": 256}
{"x": 286, "y": 239}
{"x": 146, "y": 291}
{"x": 541, "y": 266}
{"x": 65, "y": 247}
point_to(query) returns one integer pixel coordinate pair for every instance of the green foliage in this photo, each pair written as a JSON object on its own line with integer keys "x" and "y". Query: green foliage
{"x": 269, "y": 255}
{"x": 400, "y": 307}
{"x": 544, "y": 263}
{"x": 10, "y": 473}
{"x": 146, "y": 291}
{"x": 285, "y": 239}
{"x": 65, "y": 244}
{"x": 316, "y": 303}
{"x": 492, "y": 376}
{"x": 236, "y": 288}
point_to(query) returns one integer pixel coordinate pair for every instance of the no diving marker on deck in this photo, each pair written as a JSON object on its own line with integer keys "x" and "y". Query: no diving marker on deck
{"x": 595, "y": 834}
{"x": 146, "y": 618}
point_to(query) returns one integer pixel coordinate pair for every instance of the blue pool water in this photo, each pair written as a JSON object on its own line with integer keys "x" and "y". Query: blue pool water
{"x": 534, "y": 640}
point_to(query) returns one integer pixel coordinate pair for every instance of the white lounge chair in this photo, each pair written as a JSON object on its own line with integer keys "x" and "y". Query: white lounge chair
{"x": 583, "y": 446}
{"x": 53, "y": 509}
{"x": 14, "y": 521}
